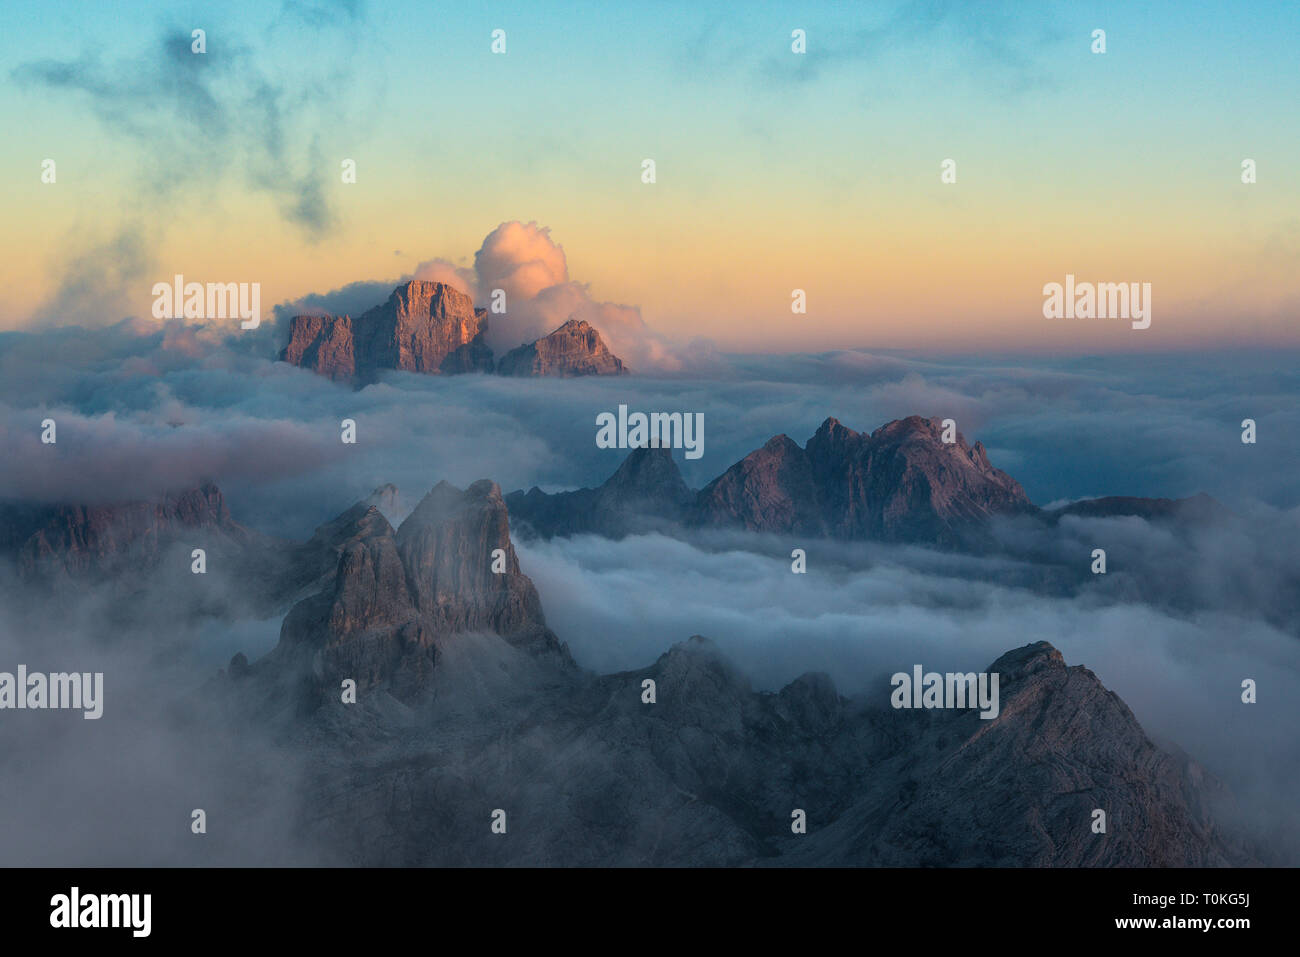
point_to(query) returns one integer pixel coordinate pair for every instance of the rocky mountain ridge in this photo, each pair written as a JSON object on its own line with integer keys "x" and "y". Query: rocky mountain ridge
{"x": 433, "y": 328}
{"x": 900, "y": 483}
{"x": 467, "y": 704}
{"x": 76, "y": 540}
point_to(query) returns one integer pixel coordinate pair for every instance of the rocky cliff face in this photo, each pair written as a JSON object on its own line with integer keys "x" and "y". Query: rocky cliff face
{"x": 311, "y": 565}
{"x": 323, "y": 344}
{"x": 574, "y": 349}
{"x": 395, "y": 594}
{"x": 771, "y": 489}
{"x": 427, "y": 327}
{"x": 950, "y": 789}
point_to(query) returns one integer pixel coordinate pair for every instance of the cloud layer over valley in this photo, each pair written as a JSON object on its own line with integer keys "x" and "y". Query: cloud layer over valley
{"x": 143, "y": 410}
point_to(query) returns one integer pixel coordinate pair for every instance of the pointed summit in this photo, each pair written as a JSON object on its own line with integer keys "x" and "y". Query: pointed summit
{"x": 449, "y": 569}
{"x": 646, "y": 492}
{"x": 574, "y": 349}
{"x": 648, "y": 472}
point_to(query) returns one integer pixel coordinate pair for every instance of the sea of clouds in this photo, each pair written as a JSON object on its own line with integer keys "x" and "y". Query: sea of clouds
{"x": 143, "y": 409}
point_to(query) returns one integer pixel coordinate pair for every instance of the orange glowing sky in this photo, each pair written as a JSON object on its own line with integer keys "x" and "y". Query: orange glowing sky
{"x": 774, "y": 172}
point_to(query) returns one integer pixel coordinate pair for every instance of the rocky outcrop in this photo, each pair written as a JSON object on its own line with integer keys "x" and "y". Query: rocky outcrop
{"x": 646, "y": 492}
{"x": 310, "y": 565}
{"x": 574, "y": 349}
{"x": 427, "y": 327}
{"x": 323, "y": 344}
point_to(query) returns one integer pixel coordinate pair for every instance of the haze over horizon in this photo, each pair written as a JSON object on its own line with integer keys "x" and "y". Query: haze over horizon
{"x": 1122, "y": 167}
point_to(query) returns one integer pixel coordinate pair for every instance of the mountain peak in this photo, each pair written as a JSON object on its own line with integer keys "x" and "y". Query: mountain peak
{"x": 428, "y": 327}
{"x": 422, "y": 298}
{"x": 573, "y": 349}
{"x": 900, "y": 483}
{"x": 833, "y": 426}
{"x": 1029, "y": 658}
{"x": 445, "y": 501}
{"x": 912, "y": 426}
{"x": 384, "y": 498}
{"x": 645, "y": 492}
{"x": 393, "y": 597}
{"x": 779, "y": 443}
{"x": 648, "y": 471}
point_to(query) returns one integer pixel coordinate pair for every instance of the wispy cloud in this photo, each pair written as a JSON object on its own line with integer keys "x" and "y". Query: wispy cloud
{"x": 225, "y": 117}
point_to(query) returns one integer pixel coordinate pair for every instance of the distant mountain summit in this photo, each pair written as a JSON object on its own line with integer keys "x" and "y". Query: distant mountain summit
{"x": 427, "y": 327}
{"x": 900, "y": 483}
{"x": 574, "y": 349}
{"x": 433, "y": 328}
{"x": 645, "y": 492}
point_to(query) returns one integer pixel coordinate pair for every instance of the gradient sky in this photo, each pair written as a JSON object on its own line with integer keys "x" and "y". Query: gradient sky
{"x": 775, "y": 171}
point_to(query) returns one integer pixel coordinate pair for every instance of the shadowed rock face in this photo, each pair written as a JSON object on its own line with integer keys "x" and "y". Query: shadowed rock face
{"x": 393, "y": 594}
{"x": 646, "y": 492}
{"x": 1020, "y": 790}
{"x": 427, "y": 327}
{"x": 77, "y": 540}
{"x": 574, "y": 349}
{"x": 709, "y": 774}
{"x": 901, "y": 483}
{"x": 323, "y": 344}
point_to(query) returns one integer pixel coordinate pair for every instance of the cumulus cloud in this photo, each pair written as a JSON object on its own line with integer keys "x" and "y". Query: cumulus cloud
{"x": 522, "y": 259}
{"x": 530, "y": 267}
{"x": 442, "y": 270}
